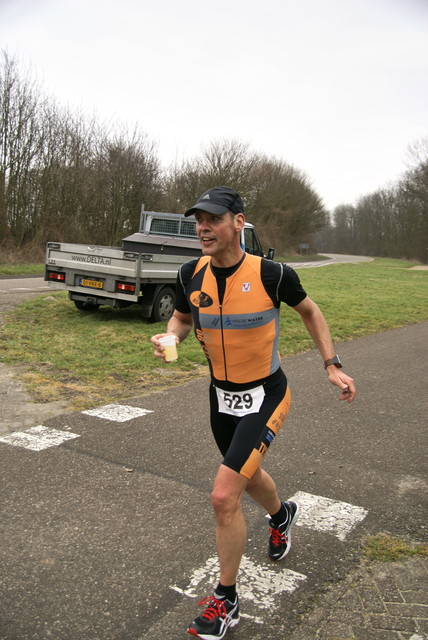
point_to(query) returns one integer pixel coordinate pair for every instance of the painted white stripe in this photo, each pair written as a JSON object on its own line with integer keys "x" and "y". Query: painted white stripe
{"x": 255, "y": 619}
{"x": 262, "y": 585}
{"x": 117, "y": 412}
{"x": 38, "y": 438}
{"x": 330, "y": 516}
{"x": 256, "y": 582}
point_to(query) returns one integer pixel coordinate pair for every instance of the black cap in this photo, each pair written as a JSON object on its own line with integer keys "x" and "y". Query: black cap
{"x": 218, "y": 200}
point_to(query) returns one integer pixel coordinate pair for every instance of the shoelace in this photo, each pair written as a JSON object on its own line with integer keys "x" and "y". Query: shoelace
{"x": 215, "y": 609}
{"x": 278, "y": 538}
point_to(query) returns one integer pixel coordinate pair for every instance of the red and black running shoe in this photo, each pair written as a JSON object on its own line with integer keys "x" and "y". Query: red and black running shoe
{"x": 280, "y": 537}
{"x": 219, "y": 615}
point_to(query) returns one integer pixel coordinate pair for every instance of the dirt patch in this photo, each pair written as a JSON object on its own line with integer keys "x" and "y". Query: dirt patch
{"x": 17, "y": 409}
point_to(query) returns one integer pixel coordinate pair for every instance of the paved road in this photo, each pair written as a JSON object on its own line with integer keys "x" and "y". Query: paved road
{"x": 15, "y": 290}
{"x": 108, "y": 535}
{"x": 333, "y": 258}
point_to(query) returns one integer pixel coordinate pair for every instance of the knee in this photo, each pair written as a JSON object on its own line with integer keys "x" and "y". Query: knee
{"x": 224, "y": 504}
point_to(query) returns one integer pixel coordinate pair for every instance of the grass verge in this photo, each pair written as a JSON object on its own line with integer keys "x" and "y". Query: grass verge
{"x": 21, "y": 269}
{"x": 386, "y": 548}
{"x": 88, "y": 359}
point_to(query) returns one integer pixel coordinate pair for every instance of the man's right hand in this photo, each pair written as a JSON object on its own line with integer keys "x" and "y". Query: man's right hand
{"x": 159, "y": 349}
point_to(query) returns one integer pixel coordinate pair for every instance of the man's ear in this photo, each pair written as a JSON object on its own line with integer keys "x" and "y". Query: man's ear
{"x": 239, "y": 221}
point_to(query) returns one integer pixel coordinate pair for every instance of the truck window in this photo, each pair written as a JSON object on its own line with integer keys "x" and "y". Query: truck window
{"x": 188, "y": 228}
{"x": 252, "y": 244}
{"x": 169, "y": 227}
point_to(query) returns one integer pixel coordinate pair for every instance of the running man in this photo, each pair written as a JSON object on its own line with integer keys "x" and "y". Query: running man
{"x": 232, "y": 299}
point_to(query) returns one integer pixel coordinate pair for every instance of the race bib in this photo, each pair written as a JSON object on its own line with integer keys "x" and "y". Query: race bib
{"x": 240, "y": 403}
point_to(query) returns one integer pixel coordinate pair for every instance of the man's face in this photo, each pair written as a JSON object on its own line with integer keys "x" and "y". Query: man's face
{"x": 217, "y": 234}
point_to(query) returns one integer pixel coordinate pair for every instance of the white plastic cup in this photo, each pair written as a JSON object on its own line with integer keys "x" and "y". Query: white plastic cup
{"x": 169, "y": 344}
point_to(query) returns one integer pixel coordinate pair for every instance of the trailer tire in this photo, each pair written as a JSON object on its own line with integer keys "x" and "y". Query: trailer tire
{"x": 86, "y": 306}
{"x": 163, "y": 305}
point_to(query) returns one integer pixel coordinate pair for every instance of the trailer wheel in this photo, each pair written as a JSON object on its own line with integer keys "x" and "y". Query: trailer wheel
{"x": 86, "y": 306}
{"x": 163, "y": 306}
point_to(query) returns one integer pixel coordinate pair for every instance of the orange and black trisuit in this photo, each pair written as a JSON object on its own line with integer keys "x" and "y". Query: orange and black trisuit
{"x": 236, "y": 320}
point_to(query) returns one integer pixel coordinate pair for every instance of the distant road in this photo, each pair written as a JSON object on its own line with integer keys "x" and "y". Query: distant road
{"x": 21, "y": 284}
{"x": 15, "y": 290}
{"x": 334, "y": 258}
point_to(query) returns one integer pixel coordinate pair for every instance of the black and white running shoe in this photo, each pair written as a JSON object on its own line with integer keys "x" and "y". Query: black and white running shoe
{"x": 280, "y": 537}
{"x": 218, "y": 617}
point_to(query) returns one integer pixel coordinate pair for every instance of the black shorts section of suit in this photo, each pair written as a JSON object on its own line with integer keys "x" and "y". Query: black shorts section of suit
{"x": 237, "y": 437}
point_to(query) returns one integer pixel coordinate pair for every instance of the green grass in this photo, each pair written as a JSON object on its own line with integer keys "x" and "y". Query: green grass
{"x": 21, "y": 269}
{"x": 386, "y": 548}
{"x": 359, "y": 299}
{"x": 90, "y": 358}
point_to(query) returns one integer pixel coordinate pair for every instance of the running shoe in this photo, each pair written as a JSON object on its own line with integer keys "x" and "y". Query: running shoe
{"x": 280, "y": 537}
{"x": 219, "y": 615}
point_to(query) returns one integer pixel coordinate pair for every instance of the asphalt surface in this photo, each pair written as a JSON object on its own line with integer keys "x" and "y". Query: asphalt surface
{"x": 110, "y": 534}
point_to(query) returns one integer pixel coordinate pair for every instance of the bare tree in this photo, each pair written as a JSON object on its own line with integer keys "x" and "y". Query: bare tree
{"x": 63, "y": 186}
{"x": 276, "y": 195}
{"x": 414, "y": 202}
{"x": 285, "y": 204}
{"x": 222, "y": 162}
{"x": 19, "y": 145}
{"x": 126, "y": 174}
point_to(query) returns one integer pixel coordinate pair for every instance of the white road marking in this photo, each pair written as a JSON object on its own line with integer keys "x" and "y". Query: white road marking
{"x": 261, "y": 585}
{"x": 253, "y": 618}
{"x": 38, "y": 438}
{"x": 256, "y": 582}
{"x": 117, "y": 412}
{"x": 330, "y": 516}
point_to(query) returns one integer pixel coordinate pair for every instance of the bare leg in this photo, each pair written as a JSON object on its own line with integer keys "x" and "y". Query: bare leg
{"x": 231, "y": 530}
{"x": 262, "y": 488}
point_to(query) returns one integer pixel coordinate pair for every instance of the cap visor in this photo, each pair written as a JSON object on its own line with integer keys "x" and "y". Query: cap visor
{"x": 210, "y": 207}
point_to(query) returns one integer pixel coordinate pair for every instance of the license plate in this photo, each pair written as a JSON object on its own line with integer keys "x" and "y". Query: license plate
{"x": 93, "y": 284}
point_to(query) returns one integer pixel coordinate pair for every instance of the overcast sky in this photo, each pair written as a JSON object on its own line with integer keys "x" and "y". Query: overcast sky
{"x": 338, "y": 88}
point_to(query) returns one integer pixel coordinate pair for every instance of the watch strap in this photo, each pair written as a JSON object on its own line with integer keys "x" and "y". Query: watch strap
{"x": 335, "y": 361}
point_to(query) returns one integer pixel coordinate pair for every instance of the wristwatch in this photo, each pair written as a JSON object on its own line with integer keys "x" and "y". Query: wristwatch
{"x": 335, "y": 361}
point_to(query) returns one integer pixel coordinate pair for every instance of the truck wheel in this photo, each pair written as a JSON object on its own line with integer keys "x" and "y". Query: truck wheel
{"x": 86, "y": 306}
{"x": 163, "y": 305}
